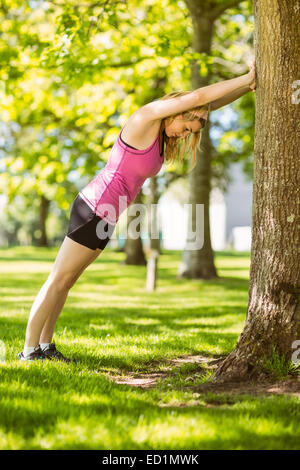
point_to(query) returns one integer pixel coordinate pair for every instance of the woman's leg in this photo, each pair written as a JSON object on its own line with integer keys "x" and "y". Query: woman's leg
{"x": 71, "y": 260}
{"x": 48, "y": 328}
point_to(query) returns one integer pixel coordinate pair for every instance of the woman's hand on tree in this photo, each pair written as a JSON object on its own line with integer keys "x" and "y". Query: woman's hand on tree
{"x": 252, "y": 77}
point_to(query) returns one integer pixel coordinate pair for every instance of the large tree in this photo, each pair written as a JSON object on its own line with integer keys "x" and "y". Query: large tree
{"x": 273, "y": 316}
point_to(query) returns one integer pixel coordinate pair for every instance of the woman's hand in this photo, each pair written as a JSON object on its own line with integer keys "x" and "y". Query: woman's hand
{"x": 252, "y": 77}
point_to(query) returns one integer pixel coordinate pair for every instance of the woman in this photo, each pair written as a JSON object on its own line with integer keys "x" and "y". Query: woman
{"x": 137, "y": 154}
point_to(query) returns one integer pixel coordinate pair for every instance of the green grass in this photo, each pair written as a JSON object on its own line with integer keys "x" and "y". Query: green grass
{"x": 112, "y": 325}
{"x": 278, "y": 366}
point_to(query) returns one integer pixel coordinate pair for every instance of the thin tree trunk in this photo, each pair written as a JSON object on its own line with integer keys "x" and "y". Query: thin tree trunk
{"x": 273, "y": 316}
{"x": 133, "y": 246}
{"x": 199, "y": 263}
{"x": 44, "y": 209}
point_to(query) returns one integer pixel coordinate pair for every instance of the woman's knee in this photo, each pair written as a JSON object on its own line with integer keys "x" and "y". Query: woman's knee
{"x": 70, "y": 264}
{"x": 62, "y": 282}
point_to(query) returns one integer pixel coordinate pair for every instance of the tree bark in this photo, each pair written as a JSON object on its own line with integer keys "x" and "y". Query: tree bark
{"x": 273, "y": 315}
{"x": 133, "y": 246}
{"x": 44, "y": 209}
{"x": 199, "y": 263}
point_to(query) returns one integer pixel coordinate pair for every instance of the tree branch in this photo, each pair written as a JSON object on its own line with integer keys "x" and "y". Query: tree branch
{"x": 217, "y": 11}
{"x": 86, "y": 5}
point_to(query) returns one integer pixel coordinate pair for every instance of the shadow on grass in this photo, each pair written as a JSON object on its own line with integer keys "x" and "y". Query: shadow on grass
{"x": 46, "y": 397}
{"x": 120, "y": 338}
{"x": 58, "y": 392}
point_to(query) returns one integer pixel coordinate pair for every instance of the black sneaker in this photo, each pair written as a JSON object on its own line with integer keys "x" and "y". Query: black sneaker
{"x": 34, "y": 356}
{"x": 50, "y": 352}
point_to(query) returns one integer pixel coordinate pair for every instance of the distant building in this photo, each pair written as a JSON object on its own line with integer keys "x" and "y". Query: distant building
{"x": 230, "y": 216}
{"x": 238, "y": 201}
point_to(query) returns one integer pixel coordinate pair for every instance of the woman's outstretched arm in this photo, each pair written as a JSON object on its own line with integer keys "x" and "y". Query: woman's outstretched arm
{"x": 201, "y": 96}
{"x": 235, "y": 94}
{"x": 229, "y": 98}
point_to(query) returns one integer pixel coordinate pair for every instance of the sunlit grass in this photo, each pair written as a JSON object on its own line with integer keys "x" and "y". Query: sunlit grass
{"x": 113, "y": 326}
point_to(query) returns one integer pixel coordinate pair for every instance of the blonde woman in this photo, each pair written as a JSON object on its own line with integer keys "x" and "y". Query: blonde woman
{"x": 149, "y": 137}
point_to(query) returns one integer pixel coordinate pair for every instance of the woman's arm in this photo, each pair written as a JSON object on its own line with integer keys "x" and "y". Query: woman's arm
{"x": 234, "y": 95}
{"x": 229, "y": 98}
{"x": 212, "y": 93}
{"x": 161, "y": 109}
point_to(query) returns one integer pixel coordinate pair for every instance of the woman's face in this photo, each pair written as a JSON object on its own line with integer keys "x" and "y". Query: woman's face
{"x": 181, "y": 128}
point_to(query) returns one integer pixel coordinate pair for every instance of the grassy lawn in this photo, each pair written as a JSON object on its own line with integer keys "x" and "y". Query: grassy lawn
{"x": 114, "y": 327}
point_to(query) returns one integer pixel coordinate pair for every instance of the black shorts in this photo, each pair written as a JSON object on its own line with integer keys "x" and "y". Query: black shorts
{"x": 84, "y": 228}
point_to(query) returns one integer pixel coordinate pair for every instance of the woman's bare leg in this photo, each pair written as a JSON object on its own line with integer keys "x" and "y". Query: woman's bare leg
{"x": 48, "y": 328}
{"x": 71, "y": 260}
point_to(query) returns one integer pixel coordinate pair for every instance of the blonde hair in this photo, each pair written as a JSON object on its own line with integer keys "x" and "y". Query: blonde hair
{"x": 175, "y": 145}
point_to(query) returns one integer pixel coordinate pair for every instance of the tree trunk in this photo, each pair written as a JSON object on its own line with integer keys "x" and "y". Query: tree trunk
{"x": 199, "y": 263}
{"x": 133, "y": 246}
{"x": 44, "y": 209}
{"x": 273, "y": 316}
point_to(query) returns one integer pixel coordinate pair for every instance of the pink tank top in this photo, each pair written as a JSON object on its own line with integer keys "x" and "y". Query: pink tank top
{"x": 119, "y": 182}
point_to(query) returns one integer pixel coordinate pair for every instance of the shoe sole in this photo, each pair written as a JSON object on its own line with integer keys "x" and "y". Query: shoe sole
{"x": 31, "y": 360}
